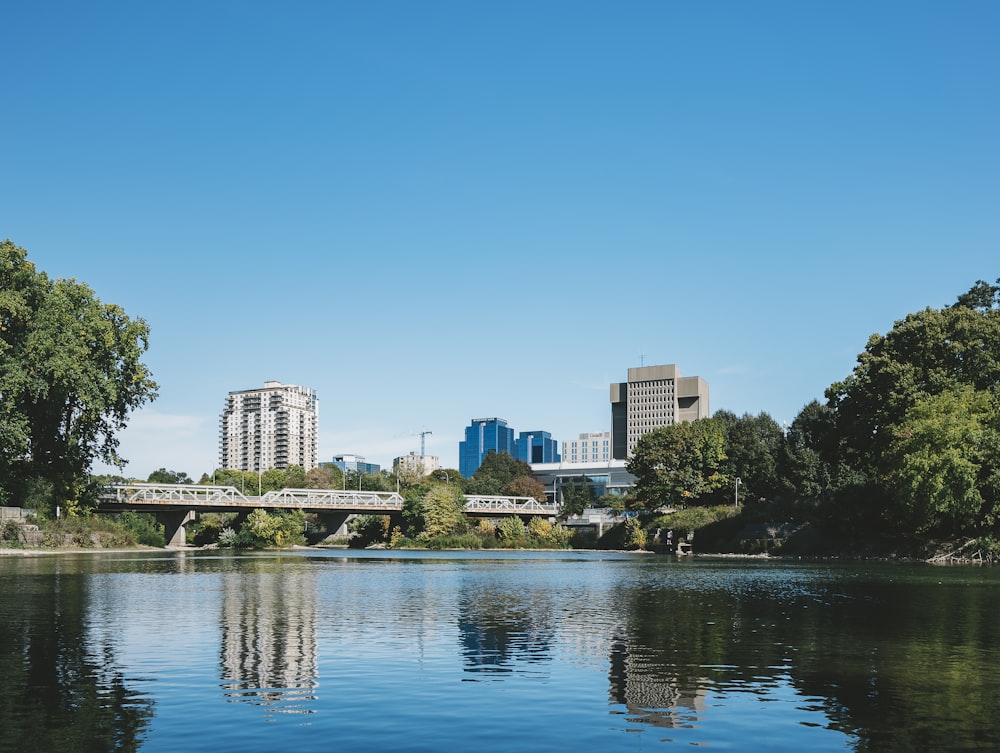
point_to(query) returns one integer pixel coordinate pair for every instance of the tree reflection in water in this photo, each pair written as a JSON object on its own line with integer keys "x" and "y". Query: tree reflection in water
{"x": 61, "y": 686}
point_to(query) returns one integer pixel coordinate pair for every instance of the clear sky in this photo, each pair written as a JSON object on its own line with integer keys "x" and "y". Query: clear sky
{"x": 433, "y": 211}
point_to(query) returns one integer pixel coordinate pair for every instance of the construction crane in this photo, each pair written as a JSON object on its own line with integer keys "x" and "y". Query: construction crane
{"x": 422, "y": 435}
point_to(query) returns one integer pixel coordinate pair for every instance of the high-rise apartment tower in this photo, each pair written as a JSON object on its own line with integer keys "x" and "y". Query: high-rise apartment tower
{"x": 272, "y": 427}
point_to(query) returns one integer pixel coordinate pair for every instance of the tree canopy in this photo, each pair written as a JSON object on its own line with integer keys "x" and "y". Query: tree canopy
{"x": 918, "y": 416}
{"x": 679, "y": 464}
{"x": 70, "y": 374}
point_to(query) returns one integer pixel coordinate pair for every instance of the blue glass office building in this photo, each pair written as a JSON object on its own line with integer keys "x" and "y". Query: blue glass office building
{"x": 482, "y": 436}
{"x": 536, "y": 447}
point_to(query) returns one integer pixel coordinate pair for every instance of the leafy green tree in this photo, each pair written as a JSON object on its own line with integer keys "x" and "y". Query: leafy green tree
{"x": 526, "y": 486}
{"x": 893, "y": 399}
{"x": 163, "y": 476}
{"x": 70, "y": 375}
{"x": 324, "y": 477}
{"x": 263, "y": 530}
{"x": 635, "y": 534}
{"x": 680, "y": 464}
{"x": 368, "y": 530}
{"x": 442, "y": 511}
{"x": 413, "y": 509}
{"x": 576, "y": 495}
{"x": 753, "y": 447}
{"x": 944, "y": 463}
{"x": 496, "y": 472}
{"x": 295, "y": 477}
{"x": 450, "y": 475}
{"x": 926, "y": 353}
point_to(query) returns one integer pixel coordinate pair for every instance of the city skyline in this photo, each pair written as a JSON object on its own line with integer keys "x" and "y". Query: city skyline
{"x": 428, "y": 212}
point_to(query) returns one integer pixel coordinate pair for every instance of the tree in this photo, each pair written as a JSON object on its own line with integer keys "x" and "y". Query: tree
{"x": 295, "y": 477}
{"x": 495, "y": 473}
{"x": 443, "y": 510}
{"x": 526, "y": 486}
{"x": 892, "y": 405}
{"x": 324, "y": 477}
{"x": 576, "y": 496}
{"x": 679, "y": 464}
{"x": 927, "y": 353}
{"x": 635, "y": 534}
{"x": 70, "y": 375}
{"x": 753, "y": 446}
{"x": 163, "y": 476}
{"x": 943, "y": 465}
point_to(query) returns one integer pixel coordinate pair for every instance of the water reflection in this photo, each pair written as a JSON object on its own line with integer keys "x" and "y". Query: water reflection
{"x": 500, "y": 628}
{"x": 268, "y": 631}
{"x": 62, "y": 686}
{"x": 744, "y": 656}
{"x": 650, "y": 694}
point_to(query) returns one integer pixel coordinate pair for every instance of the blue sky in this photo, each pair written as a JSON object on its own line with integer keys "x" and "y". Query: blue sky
{"x": 435, "y": 211}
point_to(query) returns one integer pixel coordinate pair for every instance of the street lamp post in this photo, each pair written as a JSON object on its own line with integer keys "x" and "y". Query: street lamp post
{"x": 738, "y": 479}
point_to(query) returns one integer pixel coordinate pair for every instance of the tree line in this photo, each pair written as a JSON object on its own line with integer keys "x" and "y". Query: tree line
{"x": 906, "y": 446}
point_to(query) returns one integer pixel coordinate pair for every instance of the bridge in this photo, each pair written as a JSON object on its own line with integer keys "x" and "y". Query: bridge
{"x": 175, "y": 505}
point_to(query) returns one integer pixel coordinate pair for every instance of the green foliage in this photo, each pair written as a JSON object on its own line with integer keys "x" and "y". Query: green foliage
{"x": 143, "y": 527}
{"x": 496, "y": 474}
{"x": 891, "y": 419}
{"x": 10, "y": 532}
{"x": 692, "y": 519}
{"x": 367, "y": 530}
{"x": 576, "y": 495}
{"x": 163, "y": 476}
{"x": 70, "y": 374}
{"x": 442, "y": 511}
{"x": 511, "y": 531}
{"x": 525, "y": 486}
{"x": 295, "y": 477}
{"x": 635, "y": 534}
{"x": 264, "y": 530}
{"x": 753, "y": 450}
{"x": 324, "y": 477}
{"x": 943, "y": 464}
{"x": 679, "y": 464}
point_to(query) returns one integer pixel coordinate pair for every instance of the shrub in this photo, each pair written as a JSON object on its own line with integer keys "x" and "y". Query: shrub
{"x": 10, "y": 532}
{"x": 511, "y": 530}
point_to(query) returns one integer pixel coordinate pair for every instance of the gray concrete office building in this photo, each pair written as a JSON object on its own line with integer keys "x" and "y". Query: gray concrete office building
{"x": 653, "y": 396}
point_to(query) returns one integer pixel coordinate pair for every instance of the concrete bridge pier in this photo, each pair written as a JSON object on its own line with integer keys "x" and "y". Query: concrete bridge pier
{"x": 335, "y": 522}
{"x": 173, "y": 525}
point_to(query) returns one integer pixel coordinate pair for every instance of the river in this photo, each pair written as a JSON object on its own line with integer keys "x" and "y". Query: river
{"x": 493, "y": 651}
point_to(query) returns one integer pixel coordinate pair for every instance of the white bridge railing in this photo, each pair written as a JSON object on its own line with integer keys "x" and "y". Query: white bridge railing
{"x": 199, "y": 495}
{"x": 481, "y": 503}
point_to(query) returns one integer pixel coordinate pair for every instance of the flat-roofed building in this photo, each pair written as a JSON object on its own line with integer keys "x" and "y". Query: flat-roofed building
{"x": 653, "y": 396}
{"x": 415, "y": 463}
{"x": 272, "y": 427}
{"x": 591, "y": 447}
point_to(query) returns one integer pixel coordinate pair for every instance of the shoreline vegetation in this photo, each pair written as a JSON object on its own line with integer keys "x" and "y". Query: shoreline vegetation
{"x": 753, "y": 542}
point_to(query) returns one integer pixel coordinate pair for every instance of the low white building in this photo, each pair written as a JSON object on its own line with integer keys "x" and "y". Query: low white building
{"x": 594, "y": 447}
{"x": 415, "y": 463}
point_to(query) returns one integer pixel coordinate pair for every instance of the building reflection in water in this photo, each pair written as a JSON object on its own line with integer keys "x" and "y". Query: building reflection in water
{"x": 502, "y": 631}
{"x": 269, "y": 652}
{"x": 650, "y": 695}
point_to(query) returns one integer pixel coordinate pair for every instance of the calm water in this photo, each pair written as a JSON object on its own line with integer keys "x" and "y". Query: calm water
{"x": 330, "y": 651}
